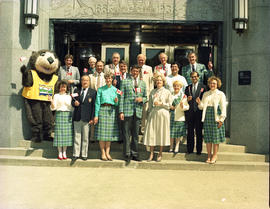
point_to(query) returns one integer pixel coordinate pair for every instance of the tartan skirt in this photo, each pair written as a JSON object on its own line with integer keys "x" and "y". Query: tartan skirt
{"x": 107, "y": 127}
{"x": 63, "y": 131}
{"x": 212, "y": 134}
{"x": 177, "y": 128}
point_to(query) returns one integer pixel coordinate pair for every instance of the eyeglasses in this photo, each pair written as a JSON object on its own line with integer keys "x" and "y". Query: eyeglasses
{"x": 194, "y": 76}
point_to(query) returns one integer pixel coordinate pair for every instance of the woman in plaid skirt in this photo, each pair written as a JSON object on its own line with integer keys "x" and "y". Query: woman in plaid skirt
{"x": 106, "y": 122}
{"x": 177, "y": 123}
{"x": 213, "y": 105}
{"x": 63, "y": 133}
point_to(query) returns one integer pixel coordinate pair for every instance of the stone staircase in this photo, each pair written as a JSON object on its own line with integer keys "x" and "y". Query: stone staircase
{"x": 230, "y": 158}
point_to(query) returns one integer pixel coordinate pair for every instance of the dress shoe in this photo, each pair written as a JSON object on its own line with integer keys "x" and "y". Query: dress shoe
{"x": 208, "y": 160}
{"x": 60, "y": 158}
{"x": 64, "y": 158}
{"x": 198, "y": 153}
{"x": 127, "y": 159}
{"x": 84, "y": 158}
{"x": 188, "y": 153}
{"x": 171, "y": 150}
{"x": 136, "y": 159}
{"x": 74, "y": 159}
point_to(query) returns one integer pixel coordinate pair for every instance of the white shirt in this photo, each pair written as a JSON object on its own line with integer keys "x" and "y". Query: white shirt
{"x": 196, "y": 86}
{"x": 84, "y": 94}
{"x": 170, "y": 80}
{"x": 62, "y": 102}
{"x": 102, "y": 79}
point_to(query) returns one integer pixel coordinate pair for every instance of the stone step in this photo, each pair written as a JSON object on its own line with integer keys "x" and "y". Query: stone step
{"x": 117, "y": 146}
{"x": 116, "y": 154}
{"x": 163, "y": 165}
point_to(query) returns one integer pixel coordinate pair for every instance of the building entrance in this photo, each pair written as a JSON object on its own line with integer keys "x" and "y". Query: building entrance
{"x": 101, "y": 39}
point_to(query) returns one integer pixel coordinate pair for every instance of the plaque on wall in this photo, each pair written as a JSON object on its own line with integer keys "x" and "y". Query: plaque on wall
{"x": 244, "y": 77}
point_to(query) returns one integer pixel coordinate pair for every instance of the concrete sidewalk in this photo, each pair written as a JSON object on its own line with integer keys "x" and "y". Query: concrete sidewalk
{"x": 96, "y": 188}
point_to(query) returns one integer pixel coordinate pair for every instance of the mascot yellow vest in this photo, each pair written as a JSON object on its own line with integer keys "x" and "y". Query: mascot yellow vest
{"x": 40, "y": 89}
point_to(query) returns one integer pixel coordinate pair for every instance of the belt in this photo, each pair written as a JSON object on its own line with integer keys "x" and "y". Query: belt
{"x": 106, "y": 104}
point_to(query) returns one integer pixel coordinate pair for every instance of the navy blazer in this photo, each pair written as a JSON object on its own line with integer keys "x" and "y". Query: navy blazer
{"x": 193, "y": 105}
{"x": 86, "y": 110}
{"x": 118, "y": 79}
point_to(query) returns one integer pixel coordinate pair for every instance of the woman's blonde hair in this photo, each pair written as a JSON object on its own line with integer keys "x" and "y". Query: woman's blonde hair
{"x": 178, "y": 83}
{"x": 214, "y": 78}
{"x": 157, "y": 75}
{"x": 108, "y": 74}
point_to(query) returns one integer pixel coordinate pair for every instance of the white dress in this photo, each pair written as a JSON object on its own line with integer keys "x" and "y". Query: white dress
{"x": 157, "y": 130}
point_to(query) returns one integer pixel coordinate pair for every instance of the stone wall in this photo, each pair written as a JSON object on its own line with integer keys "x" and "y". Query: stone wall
{"x": 249, "y": 104}
{"x": 166, "y": 10}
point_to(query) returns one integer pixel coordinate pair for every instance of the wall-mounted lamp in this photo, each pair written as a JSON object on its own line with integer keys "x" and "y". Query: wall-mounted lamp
{"x": 31, "y": 13}
{"x": 240, "y": 15}
{"x": 206, "y": 41}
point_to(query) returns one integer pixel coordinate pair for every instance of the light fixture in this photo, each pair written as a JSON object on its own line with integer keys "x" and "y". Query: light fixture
{"x": 206, "y": 41}
{"x": 31, "y": 13}
{"x": 240, "y": 15}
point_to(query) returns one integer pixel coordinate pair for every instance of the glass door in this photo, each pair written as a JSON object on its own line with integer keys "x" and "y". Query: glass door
{"x": 107, "y": 49}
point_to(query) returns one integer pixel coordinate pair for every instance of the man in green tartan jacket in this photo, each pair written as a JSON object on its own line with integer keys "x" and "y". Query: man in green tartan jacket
{"x": 203, "y": 72}
{"x": 130, "y": 111}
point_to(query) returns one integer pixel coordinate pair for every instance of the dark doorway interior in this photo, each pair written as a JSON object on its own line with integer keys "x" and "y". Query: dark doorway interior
{"x": 83, "y": 39}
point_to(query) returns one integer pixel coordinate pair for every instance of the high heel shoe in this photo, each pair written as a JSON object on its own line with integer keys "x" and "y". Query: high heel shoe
{"x": 109, "y": 157}
{"x": 159, "y": 158}
{"x": 208, "y": 160}
{"x": 213, "y": 161}
{"x": 104, "y": 158}
{"x": 150, "y": 158}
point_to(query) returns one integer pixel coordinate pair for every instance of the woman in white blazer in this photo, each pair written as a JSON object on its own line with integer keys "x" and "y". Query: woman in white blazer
{"x": 177, "y": 123}
{"x": 213, "y": 104}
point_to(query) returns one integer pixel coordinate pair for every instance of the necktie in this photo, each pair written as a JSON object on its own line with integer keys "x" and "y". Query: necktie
{"x": 98, "y": 81}
{"x": 194, "y": 89}
{"x": 135, "y": 83}
{"x": 193, "y": 68}
{"x": 82, "y": 95}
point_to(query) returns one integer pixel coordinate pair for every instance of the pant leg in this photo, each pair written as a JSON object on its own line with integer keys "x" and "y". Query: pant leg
{"x": 144, "y": 118}
{"x": 198, "y": 128}
{"x": 85, "y": 138}
{"x": 77, "y": 138}
{"x": 126, "y": 134}
{"x": 135, "y": 127}
{"x": 34, "y": 115}
{"x": 47, "y": 119}
{"x": 190, "y": 132}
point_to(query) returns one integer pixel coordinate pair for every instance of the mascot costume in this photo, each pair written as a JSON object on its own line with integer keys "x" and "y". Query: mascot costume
{"x": 39, "y": 79}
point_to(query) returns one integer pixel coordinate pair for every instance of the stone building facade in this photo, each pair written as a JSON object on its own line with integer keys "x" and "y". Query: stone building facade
{"x": 248, "y": 109}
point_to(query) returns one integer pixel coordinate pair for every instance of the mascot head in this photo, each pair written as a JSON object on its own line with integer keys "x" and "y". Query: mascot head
{"x": 44, "y": 61}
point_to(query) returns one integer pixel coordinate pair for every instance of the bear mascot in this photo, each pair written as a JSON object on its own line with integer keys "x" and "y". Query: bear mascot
{"x": 39, "y": 79}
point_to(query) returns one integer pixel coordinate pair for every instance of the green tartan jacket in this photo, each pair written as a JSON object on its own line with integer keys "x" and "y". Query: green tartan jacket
{"x": 127, "y": 104}
{"x": 201, "y": 69}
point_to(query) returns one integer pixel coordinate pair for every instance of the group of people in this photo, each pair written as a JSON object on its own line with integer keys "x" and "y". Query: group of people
{"x": 112, "y": 104}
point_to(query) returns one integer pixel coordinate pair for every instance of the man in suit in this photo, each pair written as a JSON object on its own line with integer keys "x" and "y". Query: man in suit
{"x": 123, "y": 74}
{"x": 193, "y": 116}
{"x": 84, "y": 103}
{"x": 146, "y": 75}
{"x": 163, "y": 67}
{"x": 130, "y": 109}
{"x": 114, "y": 67}
{"x": 204, "y": 74}
{"x": 69, "y": 73}
{"x": 117, "y": 83}
{"x": 96, "y": 80}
